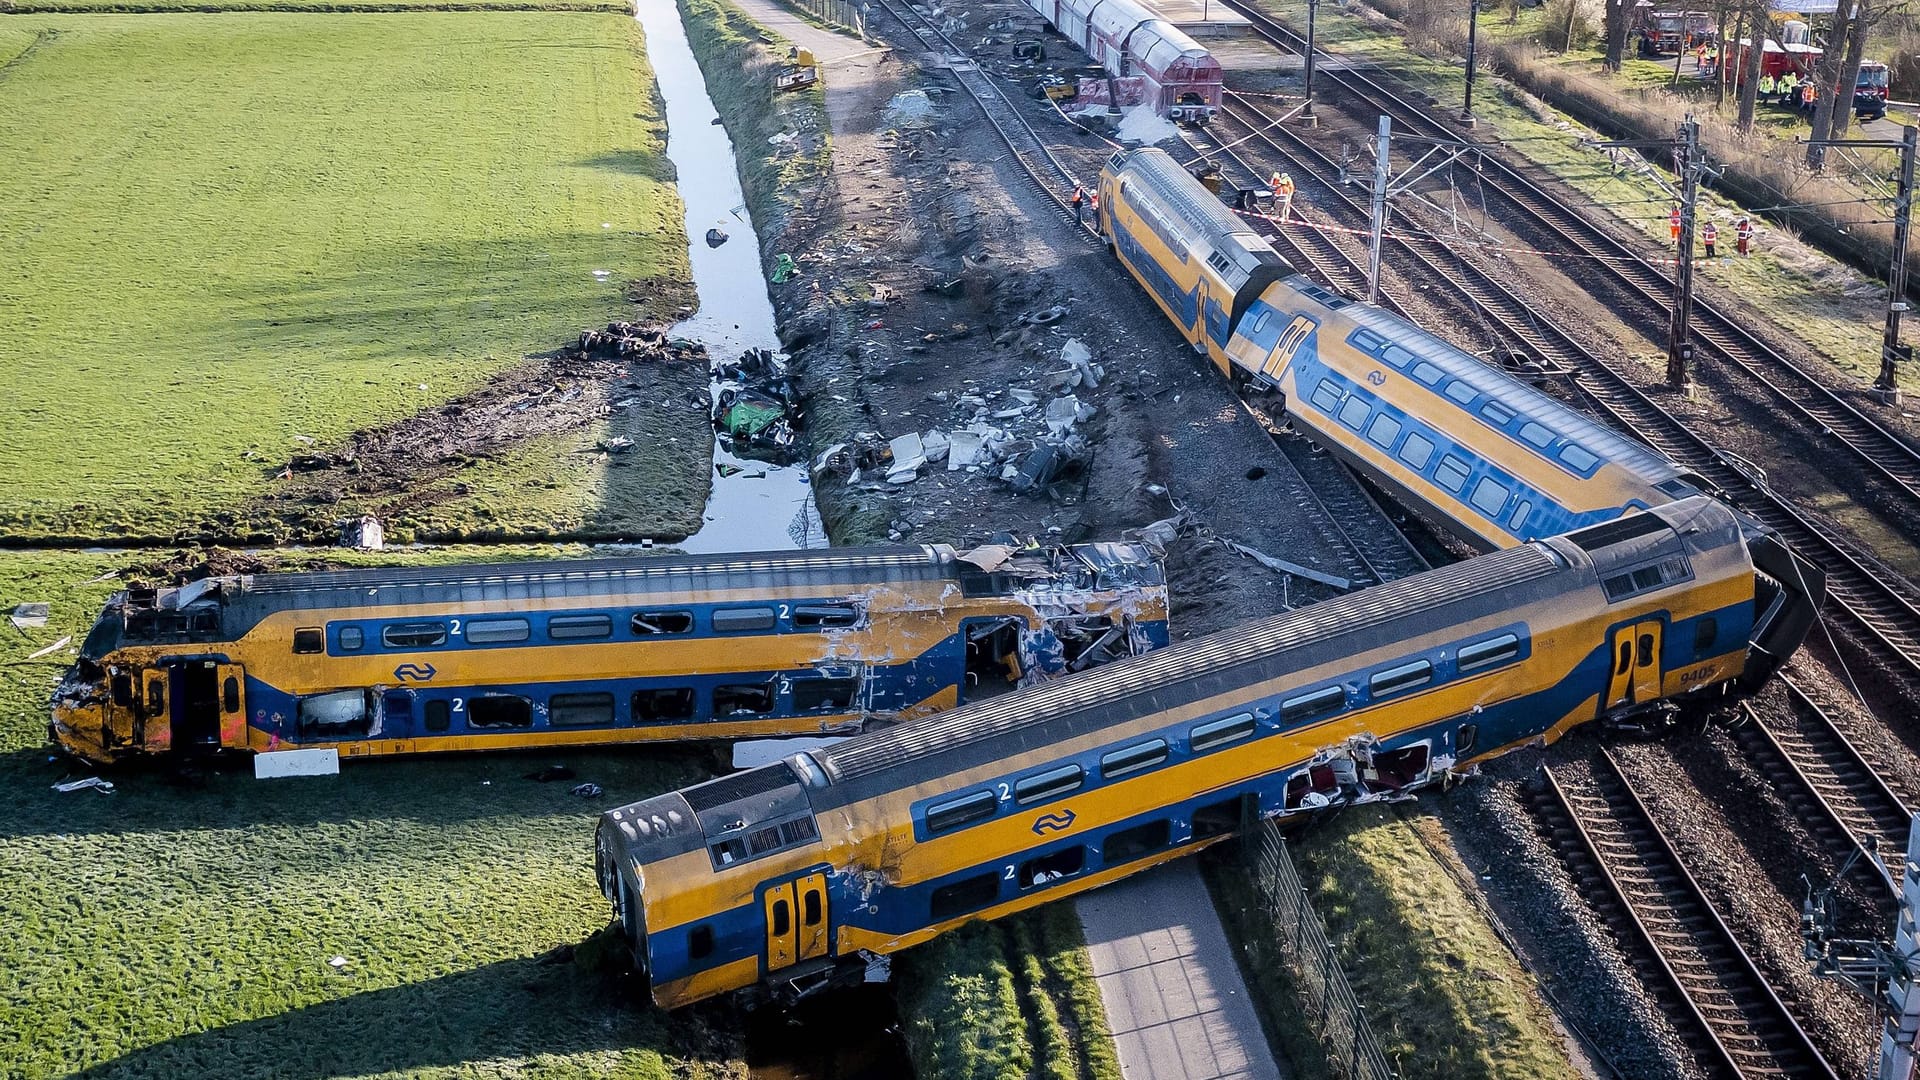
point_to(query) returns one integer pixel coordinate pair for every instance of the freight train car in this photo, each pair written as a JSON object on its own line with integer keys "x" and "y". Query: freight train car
{"x": 794, "y": 875}
{"x": 1181, "y": 80}
{"x": 403, "y": 660}
{"x": 1489, "y": 456}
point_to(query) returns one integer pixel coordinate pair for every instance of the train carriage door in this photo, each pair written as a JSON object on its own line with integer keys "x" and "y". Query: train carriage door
{"x": 233, "y": 705}
{"x": 782, "y": 927}
{"x": 1634, "y": 675}
{"x": 811, "y": 908}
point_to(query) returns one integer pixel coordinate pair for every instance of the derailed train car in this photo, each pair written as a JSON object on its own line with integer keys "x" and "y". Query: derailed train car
{"x": 578, "y": 652}
{"x": 1495, "y": 460}
{"x": 795, "y": 875}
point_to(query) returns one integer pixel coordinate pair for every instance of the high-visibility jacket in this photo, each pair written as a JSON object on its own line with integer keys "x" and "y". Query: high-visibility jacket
{"x": 1079, "y": 195}
{"x": 1743, "y": 229}
{"x": 1766, "y": 84}
{"x": 1673, "y": 219}
{"x": 1284, "y": 186}
{"x": 1710, "y": 233}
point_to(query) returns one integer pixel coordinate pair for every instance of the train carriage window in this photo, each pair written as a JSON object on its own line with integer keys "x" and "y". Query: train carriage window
{"x": 498, "y": 631}
{"x": 1217, "y": 818}
{"x": 737, "y": 620}
{"x": 700, "y": 943}
{"x": 340, "y": 712}
{"x": 1051, "y": 868}
{"x": 1220, "y": 732}
{"x": 1462, "y": 392}
{"x": 1416, "y": 451}
{"x": 438, "y": 715}
{"x": 1132, "y": 759}
{"x": 810, "y": 910}
{"x": 967, "y": 894}
{"x": 1428, "y": 373}
{"x": 1497, "y": 414}
{"x": 1047, "y": 785}
{"x": 662, "y": 703}
{"x": 1354, "y": 412}
{"x": 1519, "y": 518}
{"x": 1577, "y": 457}
{"x": 1401, "y": 678}
{"x": 351, "y": 639}
{"x": 1536, "y": 434}
{"x": 413, "y": 635}
{"x": 579, "y": 627}
{"x": 1137, "y": 842}
{"x": 964, "y": 810}
{"x": 1451, "y": 474}
{"x": 1485, "y": 654}
{"x": 1326, "y": 396}
{"x": 813, "y": 616}
{"x": 728, "y": 851}
{"x": 1383, "y": 431}
{"x": 310, "y": 640}
{"x": 230, "y": 695}
{"x": 647, "y": 623}
{"x": 824, "y": 695}
{"x": 499, "y": 711}
{"x": 580, "y": 710}
{"x": 734, "y": 699}
{"x": 1489, "y": 496}
{"x": 123, "y": 691}
{"x": 1705, "y": 633}
{"x": 1366, "y": 341}
{"x": 1397, "y": 356}
{"x": 1321, "y": 702}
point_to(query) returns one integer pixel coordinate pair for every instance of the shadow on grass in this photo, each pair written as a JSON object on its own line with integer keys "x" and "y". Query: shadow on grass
{"x": 634, "y": 163}
{"x": 432, "y": 791}
{"x": 512, "y": 1010}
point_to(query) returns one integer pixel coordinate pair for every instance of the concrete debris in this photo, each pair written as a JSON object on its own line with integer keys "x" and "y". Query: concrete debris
{"x": 936, "y": 445}
{"x": 619, "y": 444}
{"x": 909, "y": 454}
{"x": 911, "y": 109}
{"x": 30, "y": 616}
{"x": 964, "y": 450}
{"x": 1079, "y": 360}
{"x": 53, "y": 648}
{"x": 1024, "y": 397}
{"x": 363, "y": 532}
{"x": 93, "y": 782}
{"x": 1064, "y": 412}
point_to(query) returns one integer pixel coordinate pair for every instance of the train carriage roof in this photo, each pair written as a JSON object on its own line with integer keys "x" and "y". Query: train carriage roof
{"x": 1159, "y": 45}
{"x": 1179, "y": 192}
{"x": 1115, "y": 19}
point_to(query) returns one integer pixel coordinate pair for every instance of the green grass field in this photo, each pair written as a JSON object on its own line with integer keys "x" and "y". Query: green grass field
{"x": 229, "y": 230}
{"x": 176, "y": 932}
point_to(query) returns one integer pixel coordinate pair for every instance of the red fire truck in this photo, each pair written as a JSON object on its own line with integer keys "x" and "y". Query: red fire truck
{"x": 1666, "y": 33}
{"x": 1777, "y": 60}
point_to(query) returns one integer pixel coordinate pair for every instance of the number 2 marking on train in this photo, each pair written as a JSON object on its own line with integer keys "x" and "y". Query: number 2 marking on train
{"x": 456, "y": 628}
{"x": 459, "y": 704}
{"x": 1005, "y": 794}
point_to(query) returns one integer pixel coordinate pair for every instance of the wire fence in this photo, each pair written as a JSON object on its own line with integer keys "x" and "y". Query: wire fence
{"x": 1300, "y": 948}
{"x": 850, "y": 14}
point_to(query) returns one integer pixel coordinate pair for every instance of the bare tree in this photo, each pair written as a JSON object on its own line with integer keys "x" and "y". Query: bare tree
{"x": 1616, "y": 31}
{"x": 1750, "y": 73}
{"x": 1720, "y": 50}
{"x": 1825, "y": 79}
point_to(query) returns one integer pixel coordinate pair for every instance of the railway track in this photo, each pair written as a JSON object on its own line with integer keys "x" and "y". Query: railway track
{"x": 1721, "y": 1003}
{"x": 1866, "y": 592}
{"x": 1800, "y": 392}
{"x": 1045, "y": 173}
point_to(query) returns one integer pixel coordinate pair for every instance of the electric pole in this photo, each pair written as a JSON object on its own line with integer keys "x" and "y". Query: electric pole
{"x": 1313, "y": 9}
{"x": 1380, "y": 165}
{"x": 1473, "y": 35}
{"x": 1679, "y": 347}
{"x": 1886, "y": 386}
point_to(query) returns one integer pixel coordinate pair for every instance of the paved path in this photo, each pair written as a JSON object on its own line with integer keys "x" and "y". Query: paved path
{"x": 1175, "y": 1001}
{"x": 827, "y": 45}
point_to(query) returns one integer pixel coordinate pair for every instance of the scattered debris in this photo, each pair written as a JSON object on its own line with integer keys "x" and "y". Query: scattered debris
{"x": 364, "y": 532}
{"x": 755, "y": 408}
{"x": 1282, "y": 566}
{"x": 619, "y": 444}
{"x": 783, "y": 268}
{"x": 587, "y": 791}
{"x": 30, "y": 616}
{"x": 716, "y": 236}
{"x": 338, "y": 963}
{"x": 908, "y": 454}
{"x": 911, "y": 109}
{"x": 94, "y": 782}
{"x": 1045, "y": 316}
{"x": 634, "y": 341}
{"x": 53, "y": 648}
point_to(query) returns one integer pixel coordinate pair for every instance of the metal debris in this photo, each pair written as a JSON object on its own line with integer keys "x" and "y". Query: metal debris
{"x": 30, "y": 616}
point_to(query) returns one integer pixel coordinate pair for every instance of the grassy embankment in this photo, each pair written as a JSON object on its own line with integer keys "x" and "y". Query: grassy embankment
{"x": 1443, "y": 994}
{"x": 1831, "y": 306}
{"x": 235, "y": 233}
{"x": 175, "y": 930}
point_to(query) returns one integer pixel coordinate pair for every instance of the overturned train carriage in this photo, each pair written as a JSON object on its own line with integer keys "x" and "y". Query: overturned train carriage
{"x": 391, "y": 661}
{"x": 794, "y": 875}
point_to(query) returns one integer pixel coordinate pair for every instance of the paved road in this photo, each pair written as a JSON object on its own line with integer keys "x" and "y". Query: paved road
{"x": 1175, "y": 1000}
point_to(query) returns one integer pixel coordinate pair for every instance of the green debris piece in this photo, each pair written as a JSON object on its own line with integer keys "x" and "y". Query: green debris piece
{"x": 783, "y": 268}
{"x": 748, "y": 417}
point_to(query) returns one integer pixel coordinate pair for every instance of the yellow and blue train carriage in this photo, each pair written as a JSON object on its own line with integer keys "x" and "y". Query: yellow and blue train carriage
{"x": 794, "y": 875}
{"x": 1492, "y": 458}
{"x": 402, "y": 660}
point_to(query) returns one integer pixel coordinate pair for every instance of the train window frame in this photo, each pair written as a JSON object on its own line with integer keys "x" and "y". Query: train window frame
{"x": 1407, "y": 454}
{"x": 765, "y": 691}
{"x": 588, "y": 626}
{"x": 1496, "y": 414}
{"x": 1373, "y": 431}
{"x": 1367, "y": 341}
{"x": 1259, "y": 322}
{"x": 1221, "y": 817}
{"x": 230, "y": 694}
{"x": 121, "y": 687}
{"x": 811, "y": 908}
{"x": 1137, "y": 842}
{"x": 809, "y": 687}
{"x": 1706, "y": 632}
{"x": 352, "y": 639}
{"x": 700, "y": 942}
{"x": 1398, "y": 356}
{"x": 1462, "y": 393}
{"x": 826, "y": 616}
{"x": 503, "y": 631}
{"x": 685, "y": 694}
{"x": 1327, "y": 397}
{"x": 417, "y": 634}
{"x": 600, "y": 702}
{"x": 660, "y": 623}
{"x": 1571, "y": 451}
{"x": 1046, "y": 869}
{"x": 1489, "y": 506}
{"x": 1443, "y": 473}
{"x": 505, "y": 704}
{"x": 1428, "y": 372}
{"x": 1518, "y": 519}
{"x": 1049, "y": 784}
{"x": 1536, "y": 434}
{"x": 968, "y": 894}
{"x": 1465, "y": 738}
{"x": 960, "y": 811}
{"x": 1359, "y": 420}
{"x": 1135, "y": 758}
{"x": 727, "y": 851}
{"x": 436, "y": 714}
{"x": 1313, "y": 704}
{"x": 744, "y": 620}
{"x": 1214, "y": 734}
{"x": 1400, "y": 678}
{"x": 309, "y": 640}
{"x": 307, "y": 704}
{"x": 1486, "y": 653}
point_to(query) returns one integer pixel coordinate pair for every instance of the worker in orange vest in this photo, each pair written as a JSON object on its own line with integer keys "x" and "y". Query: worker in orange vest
{"x": 1079, "y": 198}
{"x": 1094, "y": 198}
{"x": 1710, "y": 235}
{"x": 1673, "y": 227}
{"x": 1743, "y": 234}
{"x": 1283, "y": 194}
